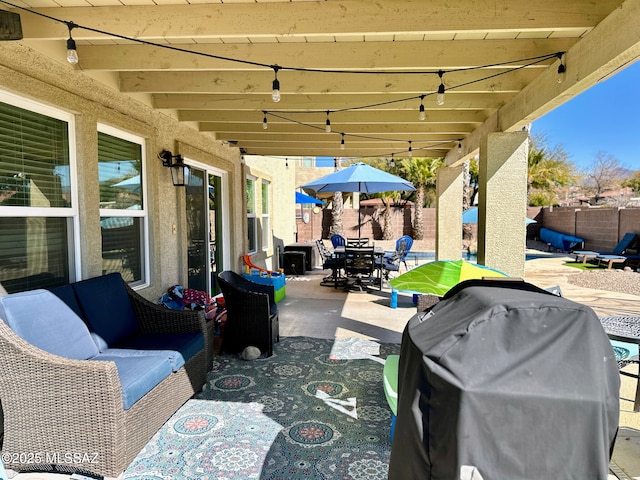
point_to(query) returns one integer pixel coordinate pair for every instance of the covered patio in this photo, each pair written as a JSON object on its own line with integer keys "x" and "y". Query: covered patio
{"x": 236, "y": 89}
{"x": 397, "y": 78}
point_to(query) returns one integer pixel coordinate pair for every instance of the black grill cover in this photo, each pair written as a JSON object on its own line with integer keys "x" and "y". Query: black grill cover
{"x": 507, "y": 381}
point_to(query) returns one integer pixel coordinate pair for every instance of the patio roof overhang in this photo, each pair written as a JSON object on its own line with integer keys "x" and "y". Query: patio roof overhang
{"x": 225, "y": 86}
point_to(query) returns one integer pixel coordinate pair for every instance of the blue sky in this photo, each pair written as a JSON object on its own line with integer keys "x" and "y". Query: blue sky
{"x": 604, "y": 118}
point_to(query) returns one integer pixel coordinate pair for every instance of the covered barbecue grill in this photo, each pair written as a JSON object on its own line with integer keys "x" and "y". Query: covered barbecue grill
{"x": 502, "y": 380}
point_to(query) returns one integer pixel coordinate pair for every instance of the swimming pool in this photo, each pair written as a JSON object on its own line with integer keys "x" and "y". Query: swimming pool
{"x": 421, "y": 257}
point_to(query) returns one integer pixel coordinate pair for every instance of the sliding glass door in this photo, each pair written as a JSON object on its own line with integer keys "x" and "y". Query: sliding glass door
{"x": 205, "y": 216}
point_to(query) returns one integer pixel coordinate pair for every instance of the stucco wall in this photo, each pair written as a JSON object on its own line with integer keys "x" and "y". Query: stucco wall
{"x": 282, "y": 206}
{"x": 25, "y": 73}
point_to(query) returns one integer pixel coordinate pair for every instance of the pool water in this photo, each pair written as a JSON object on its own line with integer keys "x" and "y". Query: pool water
{"x": 419, "y": 257}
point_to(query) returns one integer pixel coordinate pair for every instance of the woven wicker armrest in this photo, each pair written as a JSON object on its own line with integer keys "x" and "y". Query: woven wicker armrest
{"x": 55, "y": 404}
{"x": 154, "y": 318}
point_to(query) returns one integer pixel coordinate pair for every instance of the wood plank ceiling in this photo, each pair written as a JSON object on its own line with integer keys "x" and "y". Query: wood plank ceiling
{"x": 209, "y": 63}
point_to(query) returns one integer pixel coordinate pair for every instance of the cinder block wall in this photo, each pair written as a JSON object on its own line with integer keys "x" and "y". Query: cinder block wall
{"x": 601, "y": 228}
{"x": 372, "y": 223}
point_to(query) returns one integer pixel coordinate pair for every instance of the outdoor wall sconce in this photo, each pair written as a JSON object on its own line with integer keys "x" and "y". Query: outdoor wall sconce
{"x": 179, "y": 171}
{"x": 10, "y": 26}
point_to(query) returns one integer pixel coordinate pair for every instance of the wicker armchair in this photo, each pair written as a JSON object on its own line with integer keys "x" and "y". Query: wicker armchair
{"x": 252, "y": 314}
{"x": 55, "y": 404}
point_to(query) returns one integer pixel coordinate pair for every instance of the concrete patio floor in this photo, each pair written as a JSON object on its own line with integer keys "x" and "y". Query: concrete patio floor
{"x": 324, "y": 312}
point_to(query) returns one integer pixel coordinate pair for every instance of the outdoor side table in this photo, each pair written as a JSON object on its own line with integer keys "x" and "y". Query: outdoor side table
{"x": 625, "y": 329}
{"x": 308, "y": 248}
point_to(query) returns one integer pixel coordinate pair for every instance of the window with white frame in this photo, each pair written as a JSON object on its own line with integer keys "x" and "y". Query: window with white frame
{"x": 123, "y": 212}
{"x": 252, "y": 221}
{"x": 38, "y": 211}
{"x": 266, "y": 216}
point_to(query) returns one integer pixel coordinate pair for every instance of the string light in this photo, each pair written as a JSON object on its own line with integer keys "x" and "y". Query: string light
{"x": 410, "y": 150}
{"x": 459, "y": 146}
{"x": 562, "y": 70}
{"x": 327, "y": 128}
{"x": 72, "y": 57}
{"x": 440, "y": 95}
{"x": 275, "y": 93}
{"x": 286, "y": 162}
{"x": 72, "y": 53}
{"x": 392, "y": 162}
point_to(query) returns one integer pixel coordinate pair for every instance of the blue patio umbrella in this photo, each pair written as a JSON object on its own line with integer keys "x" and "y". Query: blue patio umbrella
{"x": 471, "y": 216}
{"x": 361, "y": 178}
{"x": 302, "y": 198}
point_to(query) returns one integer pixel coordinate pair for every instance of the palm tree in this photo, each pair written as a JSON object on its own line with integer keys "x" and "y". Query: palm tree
{"x": 547, "y": 170}
{"x": 337, "y": 208}
{"x": 422, "y": 173}
{"x": 388, "y": 198}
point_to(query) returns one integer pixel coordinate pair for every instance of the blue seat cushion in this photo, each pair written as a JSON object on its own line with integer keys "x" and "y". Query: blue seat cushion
{"x": 139, "y": 372}
{"x": 175, "y": 358}
{"x": 185, "y": 344}
{"x": 42, "y": 319}
{"x": 107, "y": 309}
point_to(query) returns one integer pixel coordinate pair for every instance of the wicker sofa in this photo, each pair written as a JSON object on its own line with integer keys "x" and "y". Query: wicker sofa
{"x": 61, "y": 394}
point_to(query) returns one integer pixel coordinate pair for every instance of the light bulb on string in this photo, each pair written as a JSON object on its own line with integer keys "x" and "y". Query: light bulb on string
{"x": 327, "y": 128}
{"x": 440, "y": 95}
{"x": 410, "y": 151}
{"x": 275, "y": 92}
{"x": 459, "y": 147}
{"x": 286, "y": 162}
{"x": 264, "y": 121}
{"x": 422, "y": 115}
{"x": 392, "y": 162}
{"x": 562, "y": 70}
{"x": 342, "y": 142}
{"x": 72, "y": 53}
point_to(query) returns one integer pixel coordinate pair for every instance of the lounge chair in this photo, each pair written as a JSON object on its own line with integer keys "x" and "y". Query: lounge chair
{"x": 610, "y": 260}
{"x": 622, "y": 246}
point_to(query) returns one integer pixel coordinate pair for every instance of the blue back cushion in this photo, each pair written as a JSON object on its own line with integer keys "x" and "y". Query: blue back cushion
{"x": 45, "y": 321}
{"x": 107, "y": 308}
{"x": 68, "y": 296}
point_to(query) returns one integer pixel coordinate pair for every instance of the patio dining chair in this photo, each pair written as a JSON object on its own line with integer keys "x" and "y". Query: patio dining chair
{"x": 357, "y": 242}
{"x": 332, "y": 261}
{"x": 391, "y": 262}
{"x": 359, "y": 264}
{"x": 338, "y": 240}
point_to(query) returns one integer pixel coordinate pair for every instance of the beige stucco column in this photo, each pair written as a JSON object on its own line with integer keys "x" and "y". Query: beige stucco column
{"x": 502, "y": 203}
{"x": 449, "y": 213}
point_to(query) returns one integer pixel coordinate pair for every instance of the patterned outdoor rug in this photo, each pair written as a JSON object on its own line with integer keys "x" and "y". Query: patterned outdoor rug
{"x": 314, "y": 410}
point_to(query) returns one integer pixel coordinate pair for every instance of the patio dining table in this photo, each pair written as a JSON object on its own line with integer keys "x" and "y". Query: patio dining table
{"x": 378, "y": 253}
{"x": 625, "y": 329}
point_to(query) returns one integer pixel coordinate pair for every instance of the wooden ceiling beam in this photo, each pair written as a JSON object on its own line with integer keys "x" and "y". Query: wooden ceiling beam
{"x": 344, "y": 118}
{"x": 309, "y": 19}
{"x": 401, "y": 55}
{"x": 258, "y": 103}
{"x": 301, "y": 83}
